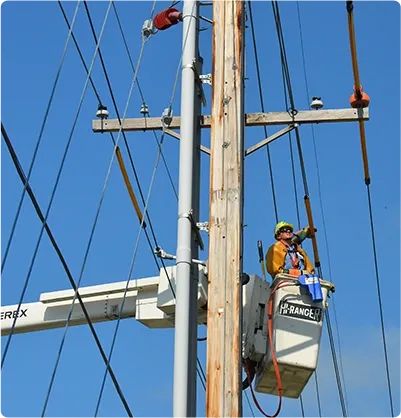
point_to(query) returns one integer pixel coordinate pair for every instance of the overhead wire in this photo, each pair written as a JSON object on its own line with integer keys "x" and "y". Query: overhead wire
{"x": 160, "y": 151}
{"x": 201, "y": 373}
{"x": 39, "y": 212}
{"x": 358, "y": 93}
{"x": 39, "y": 140}
{"x": 249, "y": 403}
{"x": 290, "y": 143}
{"x": 44, "y": 223}
{"x": 292, "y": 111}
{"x": 100, "y": 102}
{"x": 123, "y": 132}
{"x": 321, "y": 202}
{"x": 101, "y": 201}
{"x": 262, "y": 105}
{"x": 319, "y": 407}
{"x": 143, "y": 98}
{"x": 51, "y": 200}
{"x": 301, "y": 402}
{"x": 139, "y": 233}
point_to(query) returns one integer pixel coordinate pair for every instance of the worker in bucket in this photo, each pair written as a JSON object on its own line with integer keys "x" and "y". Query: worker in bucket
{"x": 286, "y": 255}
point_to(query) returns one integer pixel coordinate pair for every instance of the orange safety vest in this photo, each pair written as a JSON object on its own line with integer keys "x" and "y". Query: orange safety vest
{"x": 275, "y": 259}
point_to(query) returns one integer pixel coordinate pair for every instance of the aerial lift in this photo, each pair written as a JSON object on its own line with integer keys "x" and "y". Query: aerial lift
{"x": 282, "y": 325}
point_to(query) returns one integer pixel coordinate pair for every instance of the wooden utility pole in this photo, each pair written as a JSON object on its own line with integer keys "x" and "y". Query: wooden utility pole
{"x": 223, "y": 391}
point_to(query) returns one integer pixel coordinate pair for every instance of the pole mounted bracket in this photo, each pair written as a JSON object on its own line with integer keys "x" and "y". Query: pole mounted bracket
{"x": 195, "y": 229}
{"x": 198, "y": 81}
{"x": 203, "y": 226}
{"x": 206, "y": 79}
{"x": 159, "y": 252}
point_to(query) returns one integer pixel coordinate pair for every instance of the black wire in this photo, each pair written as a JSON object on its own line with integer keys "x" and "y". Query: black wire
{"x": 320, "y": 198}
{"x": 42, "y": 128}
{"x": 294, "y": 182}
{"x": 262, "y": 108}
{"x": 143, "y": 99}
{"x": 127, "y": 49}
{"x": 79, "y": 51}
{"x": 128, "y": 149}
{"x": 379, "y": 299}
{"x": 301, "y": 403}
{"x": 130, "y": 156}
{"x": 335, "y": 364}
{"x": 249, "y": 403}
{"x": 292, "y": 111}
{"x": 201, "y": 373}
{"x": 317, "y": 394}
{"x": 119, "y": 119}
{"x": 63, "y": 262}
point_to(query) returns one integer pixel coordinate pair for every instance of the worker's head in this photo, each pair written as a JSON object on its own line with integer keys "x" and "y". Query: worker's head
{"x": 283, "y": 230}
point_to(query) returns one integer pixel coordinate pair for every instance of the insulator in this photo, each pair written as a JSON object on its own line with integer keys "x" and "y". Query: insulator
{"x": 167, "y": 18}
{"x": 316, "y": 103}
{"x": 145, "y": 109}
{"x": 102, "y": 112}
{"x": 359, "y": 100}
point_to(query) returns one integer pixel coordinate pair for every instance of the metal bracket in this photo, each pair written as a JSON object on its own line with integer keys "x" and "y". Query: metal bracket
{"x": 203, "y": 226}
{"x": 167, "y": 116}
{"x": 159, "y": 252}
{"x": 199, "y": 82}
{"x": 206, "y": 78}
{"x": 206, "y": 19}
{"x": 271, "y": 138}
{"x": 195, "y": 228}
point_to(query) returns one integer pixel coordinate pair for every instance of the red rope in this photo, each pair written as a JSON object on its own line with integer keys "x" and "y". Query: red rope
{"x": 274, "y": 359}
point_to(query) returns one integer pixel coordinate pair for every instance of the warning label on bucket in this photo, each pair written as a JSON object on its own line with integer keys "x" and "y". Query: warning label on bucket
{"x": 311, "y": 313}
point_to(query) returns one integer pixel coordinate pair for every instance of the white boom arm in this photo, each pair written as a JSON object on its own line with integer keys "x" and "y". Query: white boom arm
{"x": 149, "y": 300}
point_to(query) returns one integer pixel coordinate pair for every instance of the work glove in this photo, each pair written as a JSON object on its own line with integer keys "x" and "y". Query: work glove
{"x": 308, "y": 232}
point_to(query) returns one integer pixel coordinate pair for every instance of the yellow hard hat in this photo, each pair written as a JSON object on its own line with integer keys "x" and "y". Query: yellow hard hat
{"x": 281, "y": 225}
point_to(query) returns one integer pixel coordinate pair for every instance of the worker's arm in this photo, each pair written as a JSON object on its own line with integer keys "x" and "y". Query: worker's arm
{"x": 300, "y": 236}
{"x": 275, "y": 261}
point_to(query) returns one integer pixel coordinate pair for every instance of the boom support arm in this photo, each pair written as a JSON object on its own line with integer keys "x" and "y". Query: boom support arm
{"x": 149, "y": 300}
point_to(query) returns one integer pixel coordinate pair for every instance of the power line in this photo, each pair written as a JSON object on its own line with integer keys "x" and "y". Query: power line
{"x": 358, "y": 97}
{"x": 60, "y": 255}
{"x": 102, "y": 195}
{"x": 201, "y": 373}
{"x": 292, "y": 111}
{"x": 127, "y": 49}
{"x": 51, "y": 200}
{"x": 143, "y": 98}
{"x": 100, "y": 101}
{"x": 249, "y": 403}
{"x": 39, "y": 137}
{"x": 118, "y": 114}
{"x": 380, "y": 301}
{"x": 255, "y": 50}
{"x": 301, "y": 402}
{"x": 321, "y": 200}
{"x": 139, "y": 233}
{"x": 336, "y": 369}
{"x": 317, "y": 394}
{"x": 159, "y": 145}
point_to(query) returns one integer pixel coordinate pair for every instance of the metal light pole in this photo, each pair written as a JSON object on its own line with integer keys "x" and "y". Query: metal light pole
{"x": 184, "y": 404}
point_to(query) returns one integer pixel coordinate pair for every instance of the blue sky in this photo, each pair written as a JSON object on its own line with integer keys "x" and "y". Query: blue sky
{"x": 33, "y": 36}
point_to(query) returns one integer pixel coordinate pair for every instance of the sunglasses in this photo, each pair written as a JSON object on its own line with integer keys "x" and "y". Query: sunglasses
{"x": 285, "y": 230}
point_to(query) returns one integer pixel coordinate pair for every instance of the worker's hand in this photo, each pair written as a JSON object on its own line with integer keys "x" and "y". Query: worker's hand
{"x": 309, "y": 232}
{"x": 294, "y": 272}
